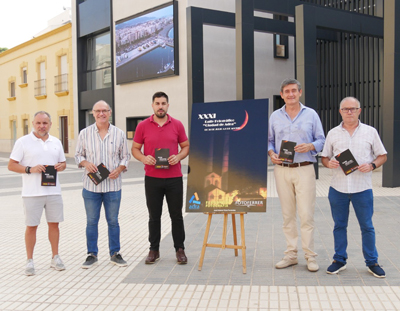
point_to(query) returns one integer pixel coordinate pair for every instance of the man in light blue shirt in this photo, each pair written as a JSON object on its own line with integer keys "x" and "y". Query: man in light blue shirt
{"x": 295, "y": 182}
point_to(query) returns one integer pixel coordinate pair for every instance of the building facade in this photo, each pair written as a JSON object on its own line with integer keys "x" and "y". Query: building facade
{"x": 37, "y": 75}
{"x": 131, "y": 102}
{"x": 243, "y": 49}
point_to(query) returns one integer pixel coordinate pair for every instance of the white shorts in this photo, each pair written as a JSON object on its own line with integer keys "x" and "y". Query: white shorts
{"x": 33, "y": 209}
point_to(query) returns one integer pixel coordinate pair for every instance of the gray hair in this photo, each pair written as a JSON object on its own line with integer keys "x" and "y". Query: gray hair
{"x": 101, "y": 101}
{"x": 42, "y": 112}
{"x": 350, "y": 98}
{"x": 290, "y": 81}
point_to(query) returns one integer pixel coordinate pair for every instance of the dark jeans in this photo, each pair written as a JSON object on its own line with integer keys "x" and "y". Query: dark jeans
{"x": 172, "y": 188}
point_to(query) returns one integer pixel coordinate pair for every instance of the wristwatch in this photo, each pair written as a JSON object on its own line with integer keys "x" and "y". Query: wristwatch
{"x": 373, "y": 165}
{"x": 28, "y": 170}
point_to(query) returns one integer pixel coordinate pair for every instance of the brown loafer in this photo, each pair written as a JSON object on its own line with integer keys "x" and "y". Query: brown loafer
{"x": 152, "y": 257}
{"x": 181, "y": 257}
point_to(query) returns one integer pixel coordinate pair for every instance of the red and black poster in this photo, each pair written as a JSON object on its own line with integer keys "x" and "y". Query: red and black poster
{"x": 228, "y": 157}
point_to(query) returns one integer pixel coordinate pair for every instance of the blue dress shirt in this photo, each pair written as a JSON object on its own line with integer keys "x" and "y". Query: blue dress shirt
{"x": 306, "y": 127}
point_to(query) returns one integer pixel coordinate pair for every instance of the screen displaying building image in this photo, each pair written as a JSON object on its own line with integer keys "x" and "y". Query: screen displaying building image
{"x": 146, "y": 45}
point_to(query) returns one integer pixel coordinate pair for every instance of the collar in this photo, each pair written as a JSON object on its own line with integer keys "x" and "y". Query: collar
{"x": 97, "y": 129}
{"x": 33, "y": 136}
{"x": 343, "y": 129}
{"x": 302, "y": 107}
{"x": 168, "y": 120}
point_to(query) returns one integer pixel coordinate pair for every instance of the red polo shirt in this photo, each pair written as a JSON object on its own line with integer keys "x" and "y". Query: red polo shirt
{"x": 153, "y": 136}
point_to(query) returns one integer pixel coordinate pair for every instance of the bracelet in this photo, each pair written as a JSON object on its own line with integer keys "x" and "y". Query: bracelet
{"x": 28, "y": 170}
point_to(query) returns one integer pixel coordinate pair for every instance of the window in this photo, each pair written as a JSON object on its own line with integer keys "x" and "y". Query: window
{"x": 42, "y": 70}
{"x": 131, "y": 124}
{"x": 99, "y": 62}
{"x": 61, "y": 80}
{"x": 23, "y": 71}
{"x": 26, "y": 126}
{"x": 12, "y": 89}
{"x": 278, "y": 102}
{"x": 281, "y": 43}
{"x": 40, "y": 84}
{"x": 24, "y": 75}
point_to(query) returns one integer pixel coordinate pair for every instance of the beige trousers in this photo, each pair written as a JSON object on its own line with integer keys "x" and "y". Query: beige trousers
{"x": 296, "y": 186}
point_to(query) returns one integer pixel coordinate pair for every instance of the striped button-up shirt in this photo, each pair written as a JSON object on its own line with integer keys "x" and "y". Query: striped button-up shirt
{"x": 112, "y": 151}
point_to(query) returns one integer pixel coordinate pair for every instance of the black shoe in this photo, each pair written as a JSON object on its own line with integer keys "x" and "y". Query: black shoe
{"x": 91, "y": 261}
{"x": 152, "y": 257}
{"x": 181, "y": 257}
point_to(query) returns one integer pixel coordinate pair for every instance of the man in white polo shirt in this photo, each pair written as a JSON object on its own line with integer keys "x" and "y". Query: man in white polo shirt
{"x": 365, "y": 145}
{"x": 29, "y": 157}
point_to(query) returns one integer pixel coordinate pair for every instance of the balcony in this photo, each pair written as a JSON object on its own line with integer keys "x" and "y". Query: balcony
{"x": 40, "y": 89}
{"x": 61, "y": 85}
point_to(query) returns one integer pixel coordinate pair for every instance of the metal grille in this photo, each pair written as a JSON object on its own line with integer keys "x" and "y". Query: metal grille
{"x": 350, "y": 66}
{"x": 359, "y": 6}
{"x": 40, "y": 87}
{"x": 61, "y": 83}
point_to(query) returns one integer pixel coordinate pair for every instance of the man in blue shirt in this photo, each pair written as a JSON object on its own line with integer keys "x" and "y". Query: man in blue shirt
{"x": 295, "y": 182}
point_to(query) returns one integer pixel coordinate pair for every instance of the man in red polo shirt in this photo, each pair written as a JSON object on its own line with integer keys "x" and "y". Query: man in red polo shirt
{"x": 162, "y": 134}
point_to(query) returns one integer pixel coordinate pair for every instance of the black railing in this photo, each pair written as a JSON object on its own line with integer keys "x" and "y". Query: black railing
{"x": 61, "y": 83}
{"x": 40, "y": 87}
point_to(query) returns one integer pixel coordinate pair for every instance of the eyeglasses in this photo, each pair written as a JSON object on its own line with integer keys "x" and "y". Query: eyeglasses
{"x": 352, "y": 110}
{"x": 101, "y": 111}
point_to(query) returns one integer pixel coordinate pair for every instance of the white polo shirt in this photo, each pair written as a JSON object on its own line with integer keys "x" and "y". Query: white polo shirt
{"x": 31, "y": 151}
{"x": 365, "y": 145}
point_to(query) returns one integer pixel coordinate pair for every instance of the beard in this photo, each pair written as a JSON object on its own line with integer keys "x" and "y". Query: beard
{"x": 40, "y": 134}
{"x": 160, "y": 114}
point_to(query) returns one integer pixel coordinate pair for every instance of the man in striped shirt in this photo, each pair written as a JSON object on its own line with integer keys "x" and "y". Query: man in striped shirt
{"x": 102, "y": 143}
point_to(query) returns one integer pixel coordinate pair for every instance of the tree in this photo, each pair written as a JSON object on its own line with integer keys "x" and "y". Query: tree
{"x": 3, "y": 49}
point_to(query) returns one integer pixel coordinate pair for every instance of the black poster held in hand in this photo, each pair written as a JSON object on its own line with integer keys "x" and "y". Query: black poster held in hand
{"x": 286, "y": 154}
{"x": 347, "y": 162}
{"x": 162, "y": 155}
{"x": 49, "y": 176}
{"x": 101, "y": 174}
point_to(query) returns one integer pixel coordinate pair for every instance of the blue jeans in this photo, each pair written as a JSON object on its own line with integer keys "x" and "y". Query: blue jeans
{"x": 93, "y": 202}
{"x": 363, "y": 203}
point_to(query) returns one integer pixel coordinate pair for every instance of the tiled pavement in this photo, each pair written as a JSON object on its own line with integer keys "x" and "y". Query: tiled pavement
{"x": 220, "y": 285}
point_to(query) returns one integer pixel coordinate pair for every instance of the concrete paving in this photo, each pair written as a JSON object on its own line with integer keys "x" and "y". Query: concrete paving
{"x": 220, "y": 285}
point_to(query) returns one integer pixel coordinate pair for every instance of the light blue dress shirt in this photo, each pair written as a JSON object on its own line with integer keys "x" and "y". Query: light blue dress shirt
{"x": 306, "y": 127}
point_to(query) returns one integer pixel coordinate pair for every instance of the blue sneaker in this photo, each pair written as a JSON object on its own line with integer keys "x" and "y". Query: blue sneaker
{"x": 376, "y": 271}
{"x": 335, "y": 267}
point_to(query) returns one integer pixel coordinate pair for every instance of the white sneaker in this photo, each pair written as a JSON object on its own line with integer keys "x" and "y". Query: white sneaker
{"x": 57, "y": 263}
{"x": 312, "y": 265}
{"x": 30, "y": 268}
{"x": 286, "y": 262}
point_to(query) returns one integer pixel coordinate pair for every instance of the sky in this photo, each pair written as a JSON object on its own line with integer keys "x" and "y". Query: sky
{"x": 20, "y": 20}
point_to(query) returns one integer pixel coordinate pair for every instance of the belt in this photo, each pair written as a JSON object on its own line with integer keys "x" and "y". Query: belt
{"x": 295, "y": 164}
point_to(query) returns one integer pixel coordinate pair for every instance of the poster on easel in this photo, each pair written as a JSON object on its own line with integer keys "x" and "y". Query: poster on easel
{"x": 228, "y": 157}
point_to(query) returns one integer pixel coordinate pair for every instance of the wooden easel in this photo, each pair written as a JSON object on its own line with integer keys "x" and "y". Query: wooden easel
{"x": 224, "y": 245}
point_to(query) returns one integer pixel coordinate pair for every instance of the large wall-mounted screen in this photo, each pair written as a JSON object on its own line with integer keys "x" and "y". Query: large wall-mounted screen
{"x": 147, "y": 44}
